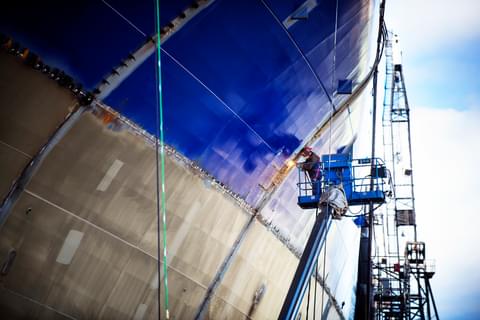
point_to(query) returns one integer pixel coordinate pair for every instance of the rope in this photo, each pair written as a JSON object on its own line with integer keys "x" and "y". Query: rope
{"x": 159, "y": 128}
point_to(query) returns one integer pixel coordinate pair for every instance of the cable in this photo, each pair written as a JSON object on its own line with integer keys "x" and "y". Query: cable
{"x": 355, "y": 214}
{"x": 374, "y": 240}
{"x": 308, "y": 301}
{"x": 159, "y": 131}
{"x": 203, "y": 84}
{"x": 302, "y": 54}
{"x": 315, "y": 293}
{"x": 124, "y": 18}
{"x": 335, "y": 47}
{"x": 329, "y": 169}
{"x": 317, "y": 210}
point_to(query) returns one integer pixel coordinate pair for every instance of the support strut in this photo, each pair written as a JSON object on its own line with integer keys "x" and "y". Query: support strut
{"x": 306, "y": 266}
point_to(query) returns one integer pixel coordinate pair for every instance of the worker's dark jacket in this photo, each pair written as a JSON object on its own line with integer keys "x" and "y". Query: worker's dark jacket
{"x": 312, "y": 166}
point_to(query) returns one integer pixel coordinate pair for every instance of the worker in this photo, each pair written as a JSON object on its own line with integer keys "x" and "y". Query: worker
{"x": 313, "y": 167}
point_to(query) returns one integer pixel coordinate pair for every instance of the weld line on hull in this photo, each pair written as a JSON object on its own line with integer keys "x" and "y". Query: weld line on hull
{"x": 38, "y": 303}
{"x": 222, "y": 270}
{"x": 35, "y": 163}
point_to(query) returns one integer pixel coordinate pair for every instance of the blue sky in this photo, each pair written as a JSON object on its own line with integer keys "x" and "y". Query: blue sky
{"x": 446, "y": 78}
{"x": 440, "y": 42}
{"x": 441, "y": 45}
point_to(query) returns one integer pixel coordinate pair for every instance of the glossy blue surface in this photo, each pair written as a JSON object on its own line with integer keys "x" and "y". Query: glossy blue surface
{"x": 239, "y": 97}
{"x": 85, "y": 38}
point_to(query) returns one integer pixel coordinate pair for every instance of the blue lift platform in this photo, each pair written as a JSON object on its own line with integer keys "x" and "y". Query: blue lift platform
{"x": 363, "y": 182}
{"x": 353, "y": 175}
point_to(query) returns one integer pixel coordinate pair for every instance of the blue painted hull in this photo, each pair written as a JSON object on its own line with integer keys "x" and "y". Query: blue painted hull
{"x": 241, "y": 91}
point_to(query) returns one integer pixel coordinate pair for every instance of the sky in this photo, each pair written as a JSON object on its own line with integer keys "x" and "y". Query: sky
{"x": 440, "y": 43}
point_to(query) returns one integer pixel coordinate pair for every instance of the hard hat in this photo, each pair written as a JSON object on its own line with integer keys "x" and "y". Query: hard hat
{"x": 306, "y": 151}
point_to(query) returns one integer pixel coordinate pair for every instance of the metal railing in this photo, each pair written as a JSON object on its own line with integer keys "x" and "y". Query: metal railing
{"x": 353, "y": 175}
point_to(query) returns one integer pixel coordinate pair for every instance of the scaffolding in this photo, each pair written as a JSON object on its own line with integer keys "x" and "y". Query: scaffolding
{"x": 401, "y": 280}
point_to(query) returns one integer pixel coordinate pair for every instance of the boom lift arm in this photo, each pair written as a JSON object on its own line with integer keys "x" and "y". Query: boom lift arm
{"x": 339, "y": 172}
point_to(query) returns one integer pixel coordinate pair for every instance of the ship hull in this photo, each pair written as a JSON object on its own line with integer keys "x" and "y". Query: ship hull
{"x": 80, "y": 184}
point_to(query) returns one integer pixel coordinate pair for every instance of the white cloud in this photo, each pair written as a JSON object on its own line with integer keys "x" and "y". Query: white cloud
{"x": 431, "y": 24}
{"x": 446, "y": 161}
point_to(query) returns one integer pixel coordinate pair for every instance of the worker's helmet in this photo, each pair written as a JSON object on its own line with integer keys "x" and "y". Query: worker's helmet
{"x": 306, "y": 151}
